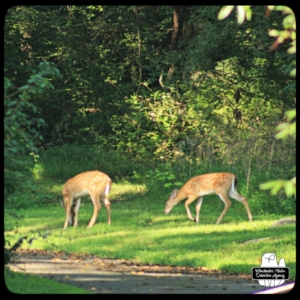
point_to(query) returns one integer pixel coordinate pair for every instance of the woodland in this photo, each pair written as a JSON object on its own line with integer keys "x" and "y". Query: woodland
{"x": 162, "y": 91}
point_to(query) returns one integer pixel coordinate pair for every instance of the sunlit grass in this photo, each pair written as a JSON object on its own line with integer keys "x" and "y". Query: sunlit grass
{"x": 127, "y": 188}
{"x": 19, "y": 283}
{"x": 141, "y": 232}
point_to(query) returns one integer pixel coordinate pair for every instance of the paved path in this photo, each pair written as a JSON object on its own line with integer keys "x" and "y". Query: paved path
{"x": 109, "y": 276}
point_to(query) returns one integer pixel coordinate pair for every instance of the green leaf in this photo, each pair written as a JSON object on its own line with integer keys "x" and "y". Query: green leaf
{"x": 24, "y": 87}
{"x": 274, "y": 32}
{"x": 291, "y": 114}
{"x": 171, "y": 176}
{"x": 285, "y": 130}
{"x": 12, "y": 103}
{"x": 225, "y": 11}
{"x": 268, "y": 185}
{"x": 290, "y": 187}
{"x": 248, "y": 13}
{"x": 241, "y": 14}
{"x": 276, "y": 188}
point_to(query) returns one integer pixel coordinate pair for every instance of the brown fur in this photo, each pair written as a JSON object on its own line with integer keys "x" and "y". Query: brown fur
{"x": 92, "y": 183}
{"x": 207, "y": 184}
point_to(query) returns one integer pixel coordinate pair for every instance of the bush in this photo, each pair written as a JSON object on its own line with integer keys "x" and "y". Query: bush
{"x": 63, "y": 162}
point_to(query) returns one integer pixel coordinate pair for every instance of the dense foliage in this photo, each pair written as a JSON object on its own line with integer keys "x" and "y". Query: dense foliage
{"x": 21, "y": 130}
{"x": 170, "y": 87}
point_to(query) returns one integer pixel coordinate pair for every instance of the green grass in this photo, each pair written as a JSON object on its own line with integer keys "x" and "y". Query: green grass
{"x": 19, "y": 283}
{"x": 141, "y": 232}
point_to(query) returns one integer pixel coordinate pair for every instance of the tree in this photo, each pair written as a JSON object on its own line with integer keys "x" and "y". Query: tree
{"x": 285, "y": 129}
{"x": 21, "y": 130}
{"x": 21, "y": 134}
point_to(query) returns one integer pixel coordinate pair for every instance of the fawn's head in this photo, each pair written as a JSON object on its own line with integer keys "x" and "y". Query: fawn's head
{"x": 171, "y": 201}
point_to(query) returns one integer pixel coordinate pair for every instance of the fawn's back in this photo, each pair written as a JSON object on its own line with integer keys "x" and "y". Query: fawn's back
{"x": 86, "y": 182}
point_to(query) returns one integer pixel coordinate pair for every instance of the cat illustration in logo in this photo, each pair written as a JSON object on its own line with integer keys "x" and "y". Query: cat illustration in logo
{"x": 270, "y": 260}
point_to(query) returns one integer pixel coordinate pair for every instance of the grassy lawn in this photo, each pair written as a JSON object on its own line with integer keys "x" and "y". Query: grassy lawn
{"x": 19, "y": 283}
{"x": 141, "y": 232}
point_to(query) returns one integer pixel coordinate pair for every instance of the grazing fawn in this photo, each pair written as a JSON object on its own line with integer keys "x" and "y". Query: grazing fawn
{"x": 93, "y": 183}
{"x": 222, "y": 184}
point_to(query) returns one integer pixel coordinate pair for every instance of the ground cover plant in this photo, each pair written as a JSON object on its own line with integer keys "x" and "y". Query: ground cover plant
{"x": 141, "y": 232}
{"x": 20, "y": 283}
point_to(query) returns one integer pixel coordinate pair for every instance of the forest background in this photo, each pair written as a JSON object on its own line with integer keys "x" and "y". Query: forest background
{"x": 168, "y": 92}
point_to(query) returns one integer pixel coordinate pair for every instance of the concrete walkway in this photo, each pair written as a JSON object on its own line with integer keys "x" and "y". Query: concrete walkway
{"x": 110, "y": 276}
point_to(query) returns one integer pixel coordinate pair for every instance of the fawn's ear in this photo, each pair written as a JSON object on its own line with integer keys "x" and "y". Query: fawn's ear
{"x": 174, "y": 193}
